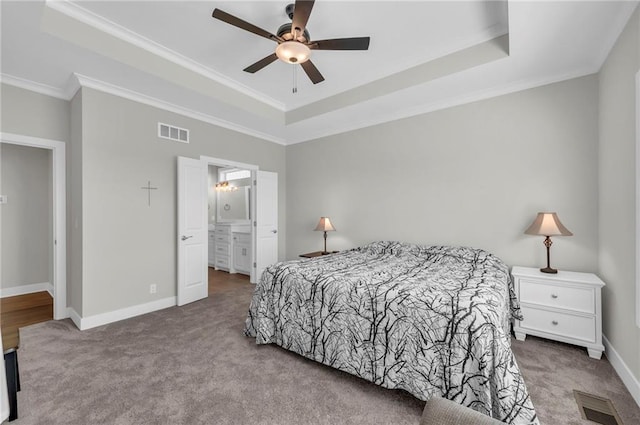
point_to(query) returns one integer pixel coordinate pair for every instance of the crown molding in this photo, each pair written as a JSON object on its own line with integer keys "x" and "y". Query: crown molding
{"x": 501, "y": 90}
{"x": 33, "y": 86}
{"x": 77, "y": 81}
{"x": 102, "y": 24}
{"x": 72, "y": 87}
{"x": 88, "y": 82}
{"x": 416, "y": 60}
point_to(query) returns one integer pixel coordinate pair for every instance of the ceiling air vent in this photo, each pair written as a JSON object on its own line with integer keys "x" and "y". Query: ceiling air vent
{"x": 166, "y": 131}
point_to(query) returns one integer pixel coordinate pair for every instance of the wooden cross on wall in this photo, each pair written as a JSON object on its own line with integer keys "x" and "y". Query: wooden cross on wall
{"x": 148, "y": 188}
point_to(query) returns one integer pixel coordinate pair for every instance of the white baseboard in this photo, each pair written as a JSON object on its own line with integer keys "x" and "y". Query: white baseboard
{"x": 629, "y": 380}
{"x": 74, "y": 316}
{"x": 26, "y": 289}
{"x": 84, "y": 323}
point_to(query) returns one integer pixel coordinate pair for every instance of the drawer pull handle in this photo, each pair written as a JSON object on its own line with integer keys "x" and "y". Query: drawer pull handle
{"x": 554, "y": 323}
{"x": 554, "y": 296}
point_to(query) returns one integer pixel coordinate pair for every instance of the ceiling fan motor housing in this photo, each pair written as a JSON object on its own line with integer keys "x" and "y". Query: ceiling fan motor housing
{"x": 284, "y": 32}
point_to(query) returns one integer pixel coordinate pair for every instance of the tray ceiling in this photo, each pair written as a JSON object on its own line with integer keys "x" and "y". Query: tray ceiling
{"x": 424, "y": 55}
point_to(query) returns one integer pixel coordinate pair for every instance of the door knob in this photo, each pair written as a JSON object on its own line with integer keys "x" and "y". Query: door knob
{"x": 274, "y": 231}
{"x": 184, "y": 238}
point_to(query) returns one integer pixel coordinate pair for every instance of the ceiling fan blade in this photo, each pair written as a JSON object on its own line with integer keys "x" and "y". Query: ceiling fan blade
{"x": 261, "y": 63}
{"x": 301, "y": 12}
{"x": 312, "y": 72}
{"x": 237, "y": 22}
{"x": 355, "y": 43}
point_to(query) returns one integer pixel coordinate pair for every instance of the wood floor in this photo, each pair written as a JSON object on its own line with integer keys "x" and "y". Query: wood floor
{"x": 24, "y": 310}
{"x": 222, "y": 281}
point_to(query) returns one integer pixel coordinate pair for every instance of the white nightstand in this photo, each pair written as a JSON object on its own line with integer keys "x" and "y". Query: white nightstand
{"x": 564, "y": 307}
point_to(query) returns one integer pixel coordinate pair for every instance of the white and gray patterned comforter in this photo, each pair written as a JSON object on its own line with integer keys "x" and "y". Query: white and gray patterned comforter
{"x": 429, "y": 320}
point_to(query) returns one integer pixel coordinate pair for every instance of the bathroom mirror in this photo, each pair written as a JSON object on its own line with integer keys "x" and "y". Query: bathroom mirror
{"x": 233, "y": 206}
{"x": 233, "y": 189}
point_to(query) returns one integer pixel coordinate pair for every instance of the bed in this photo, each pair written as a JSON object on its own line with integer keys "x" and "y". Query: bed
{"x": 431, "y": 320}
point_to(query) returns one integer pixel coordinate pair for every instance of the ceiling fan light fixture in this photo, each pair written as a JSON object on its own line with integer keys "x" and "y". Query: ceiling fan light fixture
{"x": 293, "y": 52}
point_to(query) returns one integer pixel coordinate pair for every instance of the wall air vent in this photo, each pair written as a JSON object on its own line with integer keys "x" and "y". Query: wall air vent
{"x": 166, "y": 131}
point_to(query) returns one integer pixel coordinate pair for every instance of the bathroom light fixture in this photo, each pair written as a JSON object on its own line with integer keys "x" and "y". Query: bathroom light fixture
{"x": 225, "y": 187}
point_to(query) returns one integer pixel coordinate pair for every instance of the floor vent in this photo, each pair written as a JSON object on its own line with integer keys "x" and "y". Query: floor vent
{"x": 597, "y": 409}
{"x": 166, "y": 131}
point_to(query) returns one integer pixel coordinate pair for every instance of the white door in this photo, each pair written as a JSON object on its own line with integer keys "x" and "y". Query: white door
{"x": 192, "y": 231}
{"x": 265, "y": 222}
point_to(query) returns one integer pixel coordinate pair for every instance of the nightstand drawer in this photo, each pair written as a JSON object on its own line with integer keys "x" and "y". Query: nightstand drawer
{"x": 581, "y": 299}
{"x": 563, "y": 324}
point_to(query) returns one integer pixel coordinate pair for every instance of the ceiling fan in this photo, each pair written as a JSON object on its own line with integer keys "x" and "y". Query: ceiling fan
{"x": 294, "y": 43}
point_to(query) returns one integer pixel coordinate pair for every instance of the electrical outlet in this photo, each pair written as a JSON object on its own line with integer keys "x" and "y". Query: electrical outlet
{"x": 3, "y": 199}
{"x": 153, "y": 288}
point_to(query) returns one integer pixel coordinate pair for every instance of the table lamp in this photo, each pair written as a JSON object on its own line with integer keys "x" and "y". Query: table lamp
{"x": 547, "y": 224}
{"x": 325, "y": 225}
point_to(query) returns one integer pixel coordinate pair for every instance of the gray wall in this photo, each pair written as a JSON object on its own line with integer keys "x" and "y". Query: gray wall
{"x": 33, "y": 114}
{"x": 473, "y": 175}
{"x": 470, "y": 175}
{"x": 128, "y": 245}
{"x": 74, "y": 206}
{"x": 617, "y": 228}
{"x": 26, "y": 180}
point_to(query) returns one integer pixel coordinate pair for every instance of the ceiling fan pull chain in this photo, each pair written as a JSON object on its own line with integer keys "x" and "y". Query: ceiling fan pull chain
{"x": 295, "y": 79}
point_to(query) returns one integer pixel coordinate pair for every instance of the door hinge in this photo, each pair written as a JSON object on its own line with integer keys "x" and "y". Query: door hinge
{"x": 255, "y": 224}
{"x": 255, "y": 182}
{"x": 254, "y": 265}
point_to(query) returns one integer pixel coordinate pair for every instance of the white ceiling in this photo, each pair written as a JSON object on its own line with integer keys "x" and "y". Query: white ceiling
{"x": 172, "y": 54}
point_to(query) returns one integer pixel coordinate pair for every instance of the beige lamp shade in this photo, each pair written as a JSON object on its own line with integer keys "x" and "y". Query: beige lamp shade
{"x": 325, "y": 225}
{"x": 547, "y": 224}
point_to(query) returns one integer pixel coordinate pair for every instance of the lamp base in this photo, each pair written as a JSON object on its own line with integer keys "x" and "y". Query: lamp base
{"x": 548, "y": 270}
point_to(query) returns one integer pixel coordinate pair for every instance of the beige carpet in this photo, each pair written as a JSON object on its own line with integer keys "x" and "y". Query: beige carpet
{"x": 192, "y": 365}
{"x": 552, "y": 370}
